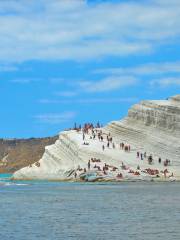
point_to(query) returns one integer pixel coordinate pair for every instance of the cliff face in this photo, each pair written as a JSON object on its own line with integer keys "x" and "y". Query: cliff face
{"x": 151, "y": 126}
{"x": 18, "y": 153}
{"x": 163, "y": 115}
{"x": 61, "y": 158}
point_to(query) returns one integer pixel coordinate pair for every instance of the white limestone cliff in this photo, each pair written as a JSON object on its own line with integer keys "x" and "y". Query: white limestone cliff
{"x": 151, "y": 126}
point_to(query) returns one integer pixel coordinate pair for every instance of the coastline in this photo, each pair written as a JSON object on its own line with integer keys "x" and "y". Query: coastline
{"x": 7, "y": 177}
{"x": 155, "y": 180}
{"x": 144, "y": 146}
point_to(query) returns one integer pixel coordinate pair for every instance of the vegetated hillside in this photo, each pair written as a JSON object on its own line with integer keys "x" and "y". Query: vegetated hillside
{"x": 19, "y": 153}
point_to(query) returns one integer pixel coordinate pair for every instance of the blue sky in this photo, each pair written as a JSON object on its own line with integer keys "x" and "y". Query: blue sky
{"x": 83, "y": 61}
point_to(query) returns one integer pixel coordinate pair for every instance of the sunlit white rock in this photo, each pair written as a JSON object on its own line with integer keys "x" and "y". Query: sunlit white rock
{"x": 151, "y": 126}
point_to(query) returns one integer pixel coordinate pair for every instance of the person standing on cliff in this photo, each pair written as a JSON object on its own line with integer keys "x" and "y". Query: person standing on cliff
{"x": 89, "y": 165}
{"x": 83, "y": 136}
{"x": 123, "y": 145}
{"x": 129, "y": 148}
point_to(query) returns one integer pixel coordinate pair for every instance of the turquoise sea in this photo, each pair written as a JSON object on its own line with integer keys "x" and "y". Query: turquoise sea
{"x": 55, "y": 210}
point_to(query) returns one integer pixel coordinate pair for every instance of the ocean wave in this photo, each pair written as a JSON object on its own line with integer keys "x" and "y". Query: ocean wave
{"x": 12, "y": 184}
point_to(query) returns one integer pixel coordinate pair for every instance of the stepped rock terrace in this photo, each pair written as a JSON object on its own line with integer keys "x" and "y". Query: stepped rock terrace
{"x": 150, "y": 135}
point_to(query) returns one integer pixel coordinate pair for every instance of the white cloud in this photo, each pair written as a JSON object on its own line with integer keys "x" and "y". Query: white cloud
{"x": 76, "y": 30}
{"x": 145, "y": 69}
{"x": 108, "y": 84}
{"x": 66, "y": 93}
{"x": 25, "y": 80}
{"x": 165, "y": 82}
{"x": 8, "y": 68}
{"x": 90, "y": 100}
{"x": 56, "y": 80}
{"x": 55, "y": 118}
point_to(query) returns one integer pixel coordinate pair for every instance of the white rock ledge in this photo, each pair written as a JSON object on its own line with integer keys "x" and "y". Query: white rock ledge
{"x": 151, "y": 126}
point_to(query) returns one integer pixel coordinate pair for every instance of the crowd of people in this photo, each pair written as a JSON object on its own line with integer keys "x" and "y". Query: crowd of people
{"x": 94, "y": 132}
{"x": 107, "y": 142}
{"x": 150, "y": 159}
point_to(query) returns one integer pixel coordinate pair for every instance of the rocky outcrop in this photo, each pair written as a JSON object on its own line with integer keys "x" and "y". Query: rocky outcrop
{"x": 151, "y": 126}
{"x": 61, "y": 158}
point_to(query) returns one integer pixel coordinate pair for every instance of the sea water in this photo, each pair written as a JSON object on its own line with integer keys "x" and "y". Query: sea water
{"x": 56, "y": 210}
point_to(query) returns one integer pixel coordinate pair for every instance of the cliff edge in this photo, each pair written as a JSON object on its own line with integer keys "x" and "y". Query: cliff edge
{"x": 151, "y": 146}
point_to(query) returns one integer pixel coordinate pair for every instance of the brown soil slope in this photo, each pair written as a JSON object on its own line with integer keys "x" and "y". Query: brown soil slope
{"x": 18, "y": 153}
